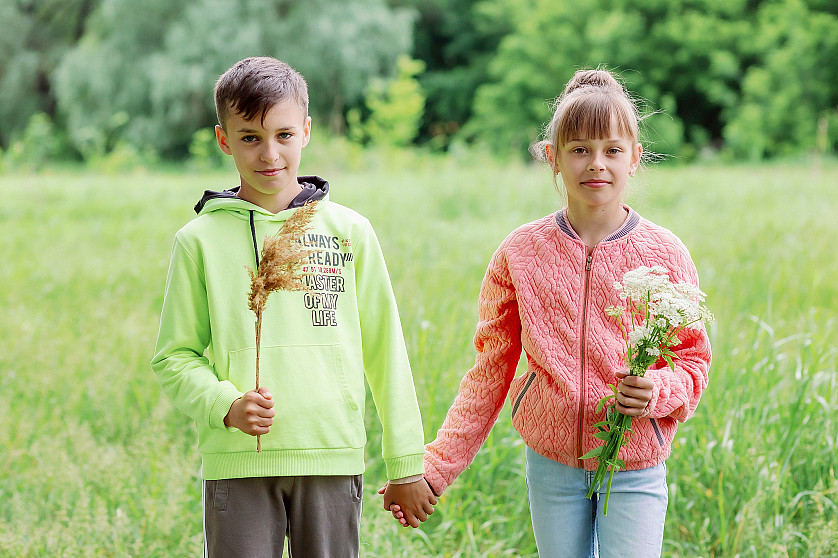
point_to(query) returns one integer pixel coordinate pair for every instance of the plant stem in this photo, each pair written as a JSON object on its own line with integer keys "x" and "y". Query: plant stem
{"x": 617, "y": 429}
{"x": 258, "y": 349}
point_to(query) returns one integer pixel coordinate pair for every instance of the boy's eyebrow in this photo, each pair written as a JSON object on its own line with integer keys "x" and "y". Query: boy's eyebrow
{"x": 254, "y": 131}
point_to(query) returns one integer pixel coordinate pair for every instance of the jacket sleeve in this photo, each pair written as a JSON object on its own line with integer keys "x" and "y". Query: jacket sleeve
{"x": 677, "y": 392}
{"x": 484, "y": 388}
{"x": 386, "y": 363}
{"x": 183, "y": 371}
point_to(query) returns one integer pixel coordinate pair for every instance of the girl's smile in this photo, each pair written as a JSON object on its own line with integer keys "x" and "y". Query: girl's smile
{"x": 596, "y": 183}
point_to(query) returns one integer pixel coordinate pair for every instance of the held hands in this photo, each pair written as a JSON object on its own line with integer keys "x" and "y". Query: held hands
{"x": 633, "y": 393}
{"x": 252, "y": 413}
{"x": 410, "y": 503}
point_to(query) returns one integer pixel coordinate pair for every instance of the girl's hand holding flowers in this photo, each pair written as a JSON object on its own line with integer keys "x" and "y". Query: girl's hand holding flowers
{"x": 633, "y": 393}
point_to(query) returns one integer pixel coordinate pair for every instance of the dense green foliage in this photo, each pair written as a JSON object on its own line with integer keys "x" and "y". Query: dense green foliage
{"x": 758, "y": 76}
{"x": 95, "y": 462}
{"x": 752, "y": 78}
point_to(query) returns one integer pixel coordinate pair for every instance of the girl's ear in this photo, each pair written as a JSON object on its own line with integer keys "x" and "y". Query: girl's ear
{"x": 636, "y": 157}
{"x": 221, "y": 137}
{"x": 550, "y": 153}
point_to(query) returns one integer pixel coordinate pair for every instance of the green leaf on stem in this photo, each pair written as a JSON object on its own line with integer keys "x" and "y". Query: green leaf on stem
{"x": 593, "y": 453}
{"x": 602, "y": 402}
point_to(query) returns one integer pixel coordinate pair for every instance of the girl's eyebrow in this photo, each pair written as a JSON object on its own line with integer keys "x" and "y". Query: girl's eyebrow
{"x": 607, "y": 142}
{"x": 616, "y": 139}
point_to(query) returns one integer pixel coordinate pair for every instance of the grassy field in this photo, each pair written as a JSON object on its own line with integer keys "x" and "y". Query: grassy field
{"x": 95, "y": 462}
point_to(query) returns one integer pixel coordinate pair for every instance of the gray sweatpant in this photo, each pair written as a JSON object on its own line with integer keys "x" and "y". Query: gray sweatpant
{"x": 250, "y": 518}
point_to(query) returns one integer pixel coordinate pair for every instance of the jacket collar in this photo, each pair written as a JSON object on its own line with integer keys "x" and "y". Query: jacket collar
{"x": 628, "y": 225}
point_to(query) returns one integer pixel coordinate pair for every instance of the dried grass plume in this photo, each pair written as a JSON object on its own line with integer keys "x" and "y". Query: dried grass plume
{"x": 282, "y": 260}
{"x": 279, "y": 269}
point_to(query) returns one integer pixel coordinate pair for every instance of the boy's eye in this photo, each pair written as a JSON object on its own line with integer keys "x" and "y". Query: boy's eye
{"x": 284, "y": 135}
{"x": 249, "y": 139}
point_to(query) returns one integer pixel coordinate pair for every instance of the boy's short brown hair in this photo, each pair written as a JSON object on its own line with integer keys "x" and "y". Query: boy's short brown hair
{"x": 253, "y": 85}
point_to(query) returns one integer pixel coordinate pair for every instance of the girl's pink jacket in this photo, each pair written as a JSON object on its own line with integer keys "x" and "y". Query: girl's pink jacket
{"x": 543, "y": 294}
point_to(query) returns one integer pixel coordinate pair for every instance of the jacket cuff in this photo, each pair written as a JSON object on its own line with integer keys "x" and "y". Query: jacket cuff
{"x": 653, "y": 402}
{"x": 407, "y": 466}
{"x": 434, "y": 480}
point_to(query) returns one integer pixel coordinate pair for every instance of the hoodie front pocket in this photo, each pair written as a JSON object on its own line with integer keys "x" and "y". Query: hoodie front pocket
{"x": 314, "y": 403}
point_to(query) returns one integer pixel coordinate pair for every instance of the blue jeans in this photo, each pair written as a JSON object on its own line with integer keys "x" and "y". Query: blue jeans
{"x": 568, "y": 525}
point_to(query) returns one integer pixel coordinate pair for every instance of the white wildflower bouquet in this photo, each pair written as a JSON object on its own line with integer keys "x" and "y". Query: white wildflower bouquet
{"x": 658, "y": 310}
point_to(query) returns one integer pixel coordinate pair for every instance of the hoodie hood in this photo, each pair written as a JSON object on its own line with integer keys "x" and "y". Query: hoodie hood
{"x": 314, "y": 188}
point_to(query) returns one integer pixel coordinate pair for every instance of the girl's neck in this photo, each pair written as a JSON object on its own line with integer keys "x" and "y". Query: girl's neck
{"x": 594, "y": 224}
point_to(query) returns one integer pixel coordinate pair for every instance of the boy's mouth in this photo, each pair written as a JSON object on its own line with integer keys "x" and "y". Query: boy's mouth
{"x": 269, "y": 172}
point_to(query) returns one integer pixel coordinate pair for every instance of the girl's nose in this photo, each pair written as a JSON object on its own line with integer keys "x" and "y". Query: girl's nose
{"x": 595, "y": 164}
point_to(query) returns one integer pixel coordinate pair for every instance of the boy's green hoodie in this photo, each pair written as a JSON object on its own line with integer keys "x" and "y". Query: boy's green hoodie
{"x": 316, "y": 346}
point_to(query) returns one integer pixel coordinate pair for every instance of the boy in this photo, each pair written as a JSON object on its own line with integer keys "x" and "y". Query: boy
{"x": 316, "y": 346}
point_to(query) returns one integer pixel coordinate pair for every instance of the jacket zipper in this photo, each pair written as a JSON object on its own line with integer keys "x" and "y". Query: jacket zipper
{"x": 582, "y": 369}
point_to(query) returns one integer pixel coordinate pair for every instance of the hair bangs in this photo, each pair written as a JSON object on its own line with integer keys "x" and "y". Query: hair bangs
{"x": 591, "y": 113}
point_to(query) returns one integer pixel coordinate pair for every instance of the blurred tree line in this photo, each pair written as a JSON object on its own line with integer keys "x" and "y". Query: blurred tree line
{"x": 86, "y": 78}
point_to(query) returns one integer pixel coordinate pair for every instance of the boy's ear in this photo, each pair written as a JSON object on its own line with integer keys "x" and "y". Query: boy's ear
{"x": 307, "y": 131}
{"x": 222, "y": 140}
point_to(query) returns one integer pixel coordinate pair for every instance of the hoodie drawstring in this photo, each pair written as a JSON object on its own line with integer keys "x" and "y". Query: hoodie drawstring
{"x": 253, "y": 235}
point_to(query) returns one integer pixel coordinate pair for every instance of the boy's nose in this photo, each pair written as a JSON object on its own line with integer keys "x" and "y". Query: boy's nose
{"x": 270, "y": 153}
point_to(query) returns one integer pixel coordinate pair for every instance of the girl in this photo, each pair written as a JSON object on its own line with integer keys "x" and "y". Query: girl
{"x": 545, "y": 291}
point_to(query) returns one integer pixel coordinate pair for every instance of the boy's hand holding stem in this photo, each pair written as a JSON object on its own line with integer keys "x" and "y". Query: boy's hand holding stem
{"x": 252, "y": 413}
{"x": 410, "y": 503}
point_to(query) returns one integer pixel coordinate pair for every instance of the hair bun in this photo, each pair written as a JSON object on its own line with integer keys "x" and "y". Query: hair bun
{"x": 593, "y": 78}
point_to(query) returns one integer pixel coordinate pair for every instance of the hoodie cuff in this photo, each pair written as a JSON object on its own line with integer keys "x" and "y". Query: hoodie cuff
{"x": 401, "y": 467}
{"x": 221, "y": 406}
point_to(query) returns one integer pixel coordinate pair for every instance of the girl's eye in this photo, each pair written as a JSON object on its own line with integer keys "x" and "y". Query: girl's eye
{"x": 578, "y": 150}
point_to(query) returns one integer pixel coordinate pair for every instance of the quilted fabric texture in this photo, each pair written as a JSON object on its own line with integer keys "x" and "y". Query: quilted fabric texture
{"x": 541, "y": 295}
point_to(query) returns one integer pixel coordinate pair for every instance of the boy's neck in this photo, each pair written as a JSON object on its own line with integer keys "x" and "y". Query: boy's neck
{"x": 273, "y": 202}
{"x": 594, "y": 224}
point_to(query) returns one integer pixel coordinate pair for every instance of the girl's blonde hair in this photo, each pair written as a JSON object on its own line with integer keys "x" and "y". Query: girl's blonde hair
{"x": 592, "y": 101}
